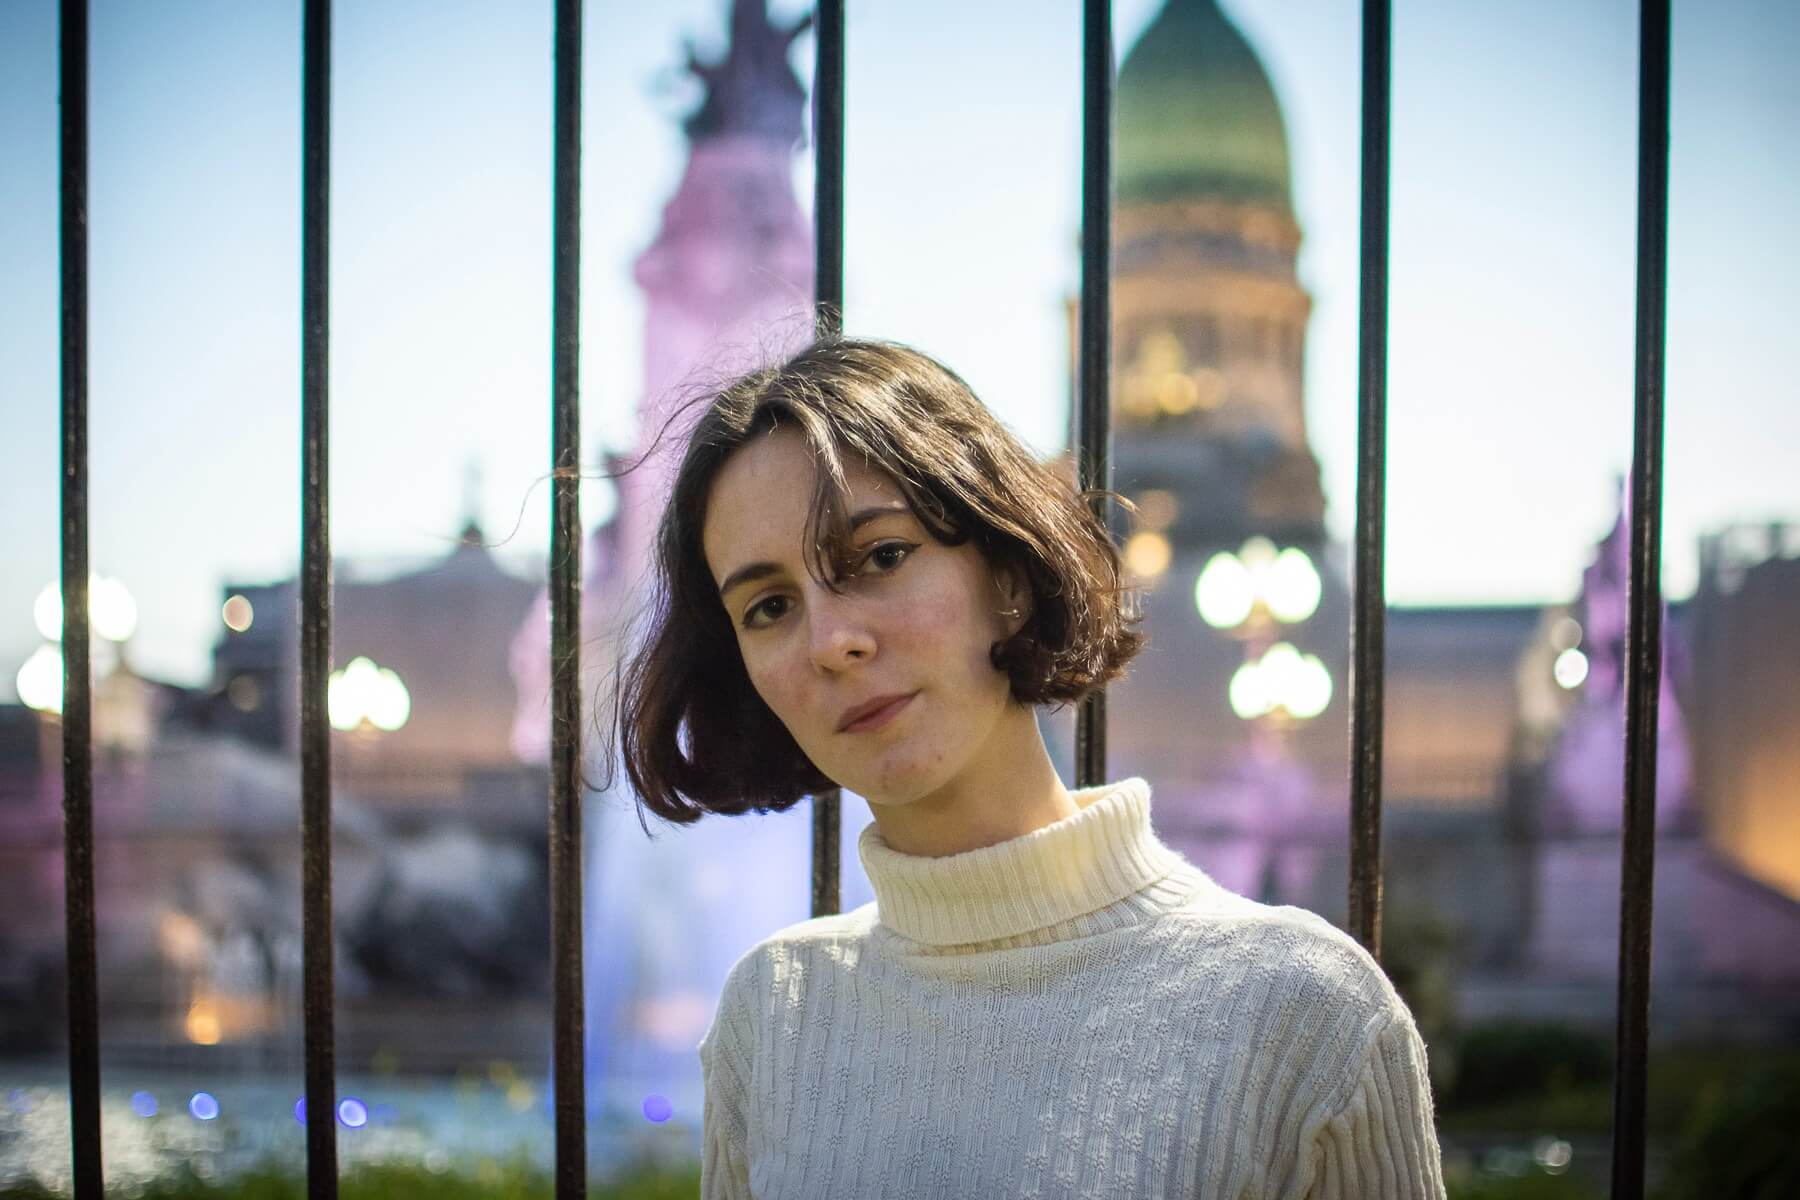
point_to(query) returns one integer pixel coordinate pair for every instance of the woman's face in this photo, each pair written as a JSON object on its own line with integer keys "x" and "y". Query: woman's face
{"x": 888, "y": 687}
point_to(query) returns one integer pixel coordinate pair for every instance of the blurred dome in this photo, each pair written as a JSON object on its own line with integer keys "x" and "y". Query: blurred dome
{"x": 1196, "y": 114}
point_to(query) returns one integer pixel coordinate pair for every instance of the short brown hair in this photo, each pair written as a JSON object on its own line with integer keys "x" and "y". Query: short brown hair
{"x": 694, "y": 735}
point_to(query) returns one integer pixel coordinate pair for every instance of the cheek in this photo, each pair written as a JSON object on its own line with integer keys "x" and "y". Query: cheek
{"x": 945, "y": 624}
{"x": 779, "y": 685}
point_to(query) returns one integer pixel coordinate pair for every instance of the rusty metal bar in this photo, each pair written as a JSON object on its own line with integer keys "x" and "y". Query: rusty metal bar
{"x": 315, "y": 607}
{"x": 1643, "y": 638}
{"x": 1368, "y": 628}
{"x": 565, "y": 618}
{"x": 1093, "y": 420}
{"x": 77, "y": 706}
{"x": 828, "y": 321}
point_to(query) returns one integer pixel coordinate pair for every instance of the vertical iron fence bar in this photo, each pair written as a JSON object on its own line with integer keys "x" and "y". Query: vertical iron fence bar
{"x": 315, "y": 608}
{"x": 828, "y": 170}
{"x": 1368, "y": 628}
{"x": 1643, "y": 679}
{"x": 828, "y": 321}
{"x": 77, "y": 708}
{"x": 1093, "y": 424}
{"x": 565, "y": 617}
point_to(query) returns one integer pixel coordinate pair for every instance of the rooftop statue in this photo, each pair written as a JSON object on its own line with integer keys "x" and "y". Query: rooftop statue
{"x": 751, "y": 91}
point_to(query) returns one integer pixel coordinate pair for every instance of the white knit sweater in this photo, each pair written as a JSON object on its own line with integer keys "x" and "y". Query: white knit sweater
{"x": 1077, "y": 1012}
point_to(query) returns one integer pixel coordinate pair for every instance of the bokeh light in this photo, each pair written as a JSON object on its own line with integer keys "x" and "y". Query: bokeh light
{"x": 658, "y": 1108}
{"x": 1285, "y": 679}
{"x": 143, "y": 1104}
{"x": 46, "y": 612}
{"x": 1147, "y": 554}
{"x": 40, "y": 680}
{"x": 363, "y": 691}
{"x": 1224, "y": 593}
{"x": 112, "y": 613}
{"x": 1570, "y": 668}
{"x": 1552, "y": 1154}
{"x": 1292, "y": 586}
{"x": 203, "y": 1028}
{"x": 1284, "y": 582}
{"x": 352, "y": 1112}
{"x": 204, "y": 1106}
{"x": 1157, "y": 509}
{"x": 238, "y": 614}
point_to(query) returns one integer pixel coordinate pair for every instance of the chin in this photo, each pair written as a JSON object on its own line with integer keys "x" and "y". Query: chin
{"x": 901, "y": 779}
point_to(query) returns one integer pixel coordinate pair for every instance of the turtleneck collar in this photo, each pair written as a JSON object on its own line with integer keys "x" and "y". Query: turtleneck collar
{"x": 1097, "y": 856}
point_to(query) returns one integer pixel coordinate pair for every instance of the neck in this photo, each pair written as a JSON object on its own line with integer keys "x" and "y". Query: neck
{"x": 1010, "y": 791}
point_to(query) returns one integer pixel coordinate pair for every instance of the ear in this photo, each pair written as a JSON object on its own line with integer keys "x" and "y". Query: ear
{"x": 1013, "y": 587}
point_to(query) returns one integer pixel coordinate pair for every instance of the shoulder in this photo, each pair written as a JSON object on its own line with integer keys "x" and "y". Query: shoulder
{"x": 782, "y": 956}
{"x": 769, "y": 976}
{"x": 1290, "y": 955}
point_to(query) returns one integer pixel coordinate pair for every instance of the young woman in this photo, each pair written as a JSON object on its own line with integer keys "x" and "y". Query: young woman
{"x": 869, "y": 584}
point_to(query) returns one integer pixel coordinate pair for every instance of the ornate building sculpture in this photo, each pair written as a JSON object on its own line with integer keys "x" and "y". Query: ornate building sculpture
{"x": 1209, "y": 316}
{"x": 1210, "y": 441}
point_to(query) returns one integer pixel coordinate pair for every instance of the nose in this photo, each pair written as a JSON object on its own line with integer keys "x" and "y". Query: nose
{"x": 839, "y": 637}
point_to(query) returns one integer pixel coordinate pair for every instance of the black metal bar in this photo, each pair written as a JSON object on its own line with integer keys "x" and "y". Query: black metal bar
{"x": 828, "y": 321}
{"x": 827, "y": 815}
{"x": 565, "y": 618}
{"x": 1093, "y": 420}
{"x": 1643, "y": 638}
{"x": 77, "y": 706}
{"x": 1368, "y": 629}
{"x": 828, "y": 170}
{"x": 315, "y": 608}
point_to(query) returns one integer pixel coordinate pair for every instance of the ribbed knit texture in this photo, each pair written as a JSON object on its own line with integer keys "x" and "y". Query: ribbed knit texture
{"x": 1077, "y": 1012}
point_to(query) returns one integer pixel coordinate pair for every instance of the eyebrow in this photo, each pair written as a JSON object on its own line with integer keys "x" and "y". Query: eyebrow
{"x": 762, "y": 570}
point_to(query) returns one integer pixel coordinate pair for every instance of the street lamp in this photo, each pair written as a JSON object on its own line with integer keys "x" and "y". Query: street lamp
{"x": 112, "y": 615}
{"x": 364, "y": 692}
{"x": 1252, "y": 594}
{"x": 1258, "y": 581}
{"x": 1282, "y": 681}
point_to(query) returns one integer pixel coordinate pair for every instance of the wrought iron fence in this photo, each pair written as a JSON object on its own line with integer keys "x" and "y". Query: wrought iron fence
{"x": 1094, "y": 431}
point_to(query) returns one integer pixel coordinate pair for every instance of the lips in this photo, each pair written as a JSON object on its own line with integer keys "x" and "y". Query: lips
{"x": 874, "y": 713}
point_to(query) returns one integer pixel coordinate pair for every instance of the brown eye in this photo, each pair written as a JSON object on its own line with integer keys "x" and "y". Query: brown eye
{"x": 773, "y": 607}
{"x": 890, "y": 555}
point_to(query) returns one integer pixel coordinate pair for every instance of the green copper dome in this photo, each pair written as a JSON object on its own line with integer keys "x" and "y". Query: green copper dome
{"x": 1196, "y": 116}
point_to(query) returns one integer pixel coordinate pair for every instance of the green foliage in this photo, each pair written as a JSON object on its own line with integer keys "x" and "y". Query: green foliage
{"x": 1536, "y": 1186}
{"x": 1510, "y": 1060}
{"x": 1742, "y": 1141}
{"x": 1513, "y": 1082}
{"x": 1418, "y": 951}
{"x": 488, "y": 1180}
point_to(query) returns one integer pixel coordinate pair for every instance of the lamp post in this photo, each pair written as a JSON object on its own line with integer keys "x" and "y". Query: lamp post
{"x": 366, "y": 701}
{"x": 1253, "y": 595}
{"x": 112, "y": 614}
{"x": 362, "y": 696}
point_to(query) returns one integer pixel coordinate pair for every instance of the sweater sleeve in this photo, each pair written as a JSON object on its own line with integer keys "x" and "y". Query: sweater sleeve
{"x": 1382, "y": 1143}
{"x": 724, "y": 1155}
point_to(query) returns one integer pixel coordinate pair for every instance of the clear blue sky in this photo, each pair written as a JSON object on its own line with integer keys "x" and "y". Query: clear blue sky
{"x": 1513, "y": 208}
